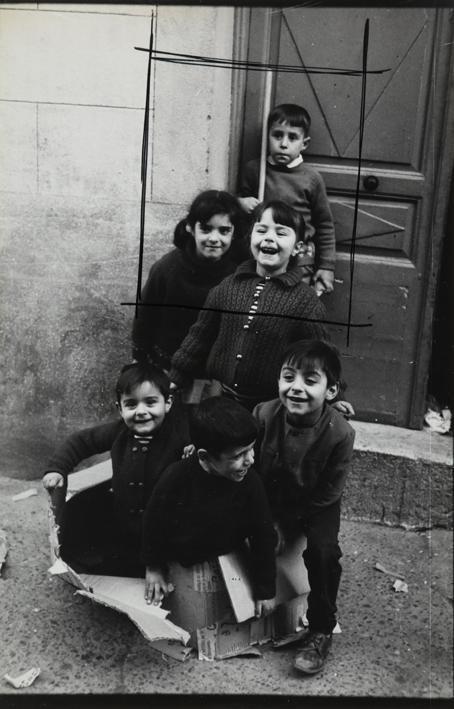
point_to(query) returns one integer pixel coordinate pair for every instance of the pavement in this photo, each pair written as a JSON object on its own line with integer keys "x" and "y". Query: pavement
{"x": 392, "y": 645}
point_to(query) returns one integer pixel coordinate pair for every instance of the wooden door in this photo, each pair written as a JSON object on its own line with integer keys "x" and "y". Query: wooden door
{"x": 404, "y": 151}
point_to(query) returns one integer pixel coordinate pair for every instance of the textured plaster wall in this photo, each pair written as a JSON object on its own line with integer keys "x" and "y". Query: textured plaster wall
{"x": 72, "y": 92}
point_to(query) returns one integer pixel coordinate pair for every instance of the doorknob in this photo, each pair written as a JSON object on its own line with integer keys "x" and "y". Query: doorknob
{"x": 370, "y": 183}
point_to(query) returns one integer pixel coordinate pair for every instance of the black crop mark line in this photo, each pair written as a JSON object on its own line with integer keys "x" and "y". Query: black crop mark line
{"x": 371, "y": 236}
{"x": 325, "y": 119}
{"x": 358, "y": 177}
{"x": 390, "y": 78}
{"x": 143, "y": 172}
{"x": 225, "y": 311}
{"x": 199, "y": 60}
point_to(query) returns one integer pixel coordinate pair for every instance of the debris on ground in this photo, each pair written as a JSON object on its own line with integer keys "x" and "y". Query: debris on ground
{"x": 23, "y": 495}
{"x": 3, "y": 548}
{"x": 438, "y": 421}
{"x": 400, "y": 586}
{"x": 388, "y": 572}
{"x": 24, "y": 680}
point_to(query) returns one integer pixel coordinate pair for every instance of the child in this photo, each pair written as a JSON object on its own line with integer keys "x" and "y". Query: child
{"x": 253, "y": 315}
{"x": 206, "y": 244}
{"x": 305, "y": 451}
{"x": 291, "y": 180}
{"x": 208, "y": 504}
{"x": 149, "y": 436}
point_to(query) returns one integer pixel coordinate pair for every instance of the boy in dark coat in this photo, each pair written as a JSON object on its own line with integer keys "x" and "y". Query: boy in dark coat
{"x": 305, "y": 451}
{"x": 102, "y": 526}
{"x": 210, "y": 503}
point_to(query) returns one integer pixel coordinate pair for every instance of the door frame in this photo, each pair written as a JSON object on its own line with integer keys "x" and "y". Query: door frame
{"x": 441, "y": 130}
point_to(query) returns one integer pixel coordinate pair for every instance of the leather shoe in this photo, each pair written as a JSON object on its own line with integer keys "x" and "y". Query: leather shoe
{"x": 314, "y": 649}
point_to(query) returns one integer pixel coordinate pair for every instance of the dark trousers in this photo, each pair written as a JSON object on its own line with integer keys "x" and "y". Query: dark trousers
{"x": 93, "y": 540}
{"x": 321, "y": 557}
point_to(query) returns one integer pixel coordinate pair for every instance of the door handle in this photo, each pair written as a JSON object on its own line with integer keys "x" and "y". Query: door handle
{"x": 370, "y": 183}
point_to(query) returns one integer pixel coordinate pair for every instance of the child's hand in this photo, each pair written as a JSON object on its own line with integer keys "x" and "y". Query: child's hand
{"x": 264, "y": 607}
{"x": 188, "y": 450}
{"x": 323, "y": 281}
{"x": 52, "y": 480}
{"x": 344, "y": 407}
{"x": 156, "y": 586}
{"x": 248, "y": 203}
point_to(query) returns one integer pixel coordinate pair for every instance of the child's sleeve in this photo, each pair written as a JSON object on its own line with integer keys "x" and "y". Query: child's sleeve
{"x": 249, "y": 182}
{"x": 311, "y": 326}
{"x": 262, "y": 541}
{"x": 196, "y": 346}
{"x": 81, "y": 445}
{"x": 332, "y": 482}
{"x": 159, "y": 510}
{"x": 144, "y": 325}
{"x": 322, "y": 220}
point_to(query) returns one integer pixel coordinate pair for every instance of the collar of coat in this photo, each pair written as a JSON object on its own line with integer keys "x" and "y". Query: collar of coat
{"x": 288, "y": 278}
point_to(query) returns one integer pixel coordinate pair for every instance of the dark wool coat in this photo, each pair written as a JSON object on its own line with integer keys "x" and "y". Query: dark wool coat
{"x": 136, "y": 465}
{"x": 318, "y": 477}
{"x": 176, "y": 289}
{"x": 193, "y": 516}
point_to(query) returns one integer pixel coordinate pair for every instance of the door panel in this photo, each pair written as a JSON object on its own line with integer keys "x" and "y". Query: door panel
{"x": 392, "y": 245}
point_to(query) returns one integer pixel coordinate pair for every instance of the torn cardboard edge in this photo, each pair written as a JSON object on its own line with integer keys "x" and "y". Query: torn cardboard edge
{"x": 227, "y": 634}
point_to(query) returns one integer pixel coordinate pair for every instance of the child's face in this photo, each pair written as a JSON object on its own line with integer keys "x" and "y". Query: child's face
{"x": 286, "y": 142}
{"x": 214, "y": 237}
{"x": 272, "y": 245}
{"x": 143, "y": 410}
{"x": 232, "y": 464}
{"x": 303, "y": 392}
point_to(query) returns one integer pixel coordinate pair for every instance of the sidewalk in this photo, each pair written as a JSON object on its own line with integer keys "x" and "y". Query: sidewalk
{"x": 392, "y": 644}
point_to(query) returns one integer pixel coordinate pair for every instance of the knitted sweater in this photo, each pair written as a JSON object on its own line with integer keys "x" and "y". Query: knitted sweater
{"x": 193, "y": 516}
{"x": 248, "y": 322}
{"x": 303, "y": 188}
{"x": 304, "y": 469}
{"x": 176, "y": 288}
{"x": 136, "y": 463}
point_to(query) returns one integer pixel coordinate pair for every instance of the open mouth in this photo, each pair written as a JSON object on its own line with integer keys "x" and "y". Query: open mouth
{"x": 269, "y": 250}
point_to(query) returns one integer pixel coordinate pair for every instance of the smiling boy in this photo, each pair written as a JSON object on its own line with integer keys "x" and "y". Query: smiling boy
{"x": 102, "y": 526}
{"x": 290, "y": 179}
{"x": 305, "y": 451}
{"x": 210, "y": 503}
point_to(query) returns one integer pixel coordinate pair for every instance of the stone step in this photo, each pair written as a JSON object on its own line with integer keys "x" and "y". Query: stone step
{"x": 400, "y": 477}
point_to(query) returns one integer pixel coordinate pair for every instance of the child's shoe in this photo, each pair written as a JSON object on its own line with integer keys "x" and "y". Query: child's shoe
{"x": 314, "y": 649}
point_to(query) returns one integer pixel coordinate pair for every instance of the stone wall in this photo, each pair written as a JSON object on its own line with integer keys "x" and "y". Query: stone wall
{"x": 72, "y": 93}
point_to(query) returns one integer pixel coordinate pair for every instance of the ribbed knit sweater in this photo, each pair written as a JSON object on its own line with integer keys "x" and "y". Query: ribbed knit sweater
{"x": 175, "y": 290}
{"x": 303, "y": 188}
{"x": 245, "y": 326}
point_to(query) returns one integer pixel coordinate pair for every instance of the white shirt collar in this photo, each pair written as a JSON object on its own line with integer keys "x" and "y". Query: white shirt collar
{"x": 294, "y": 163}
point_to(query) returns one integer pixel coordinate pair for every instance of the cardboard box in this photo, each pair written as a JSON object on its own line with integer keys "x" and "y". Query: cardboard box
{"x": 212, "y": 606}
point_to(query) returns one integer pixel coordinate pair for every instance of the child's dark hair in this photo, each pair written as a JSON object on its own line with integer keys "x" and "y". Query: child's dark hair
{"x": 290, "y": 113}
{"x": 310, "y": 353}
{"x": 133, "y": 375}
{"x": 218, "y": 424}
{"x": 282, "y": 213}
{"x": 206, "y": 205}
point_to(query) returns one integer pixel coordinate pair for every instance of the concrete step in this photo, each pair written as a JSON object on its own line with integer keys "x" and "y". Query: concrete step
{"x": 400, "y": 477}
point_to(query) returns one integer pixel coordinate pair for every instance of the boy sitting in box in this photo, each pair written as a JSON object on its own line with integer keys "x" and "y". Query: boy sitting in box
{"x": 305, "y": 451}
{"x": 207, "y": 504}
{"x": 102, "y": 526}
